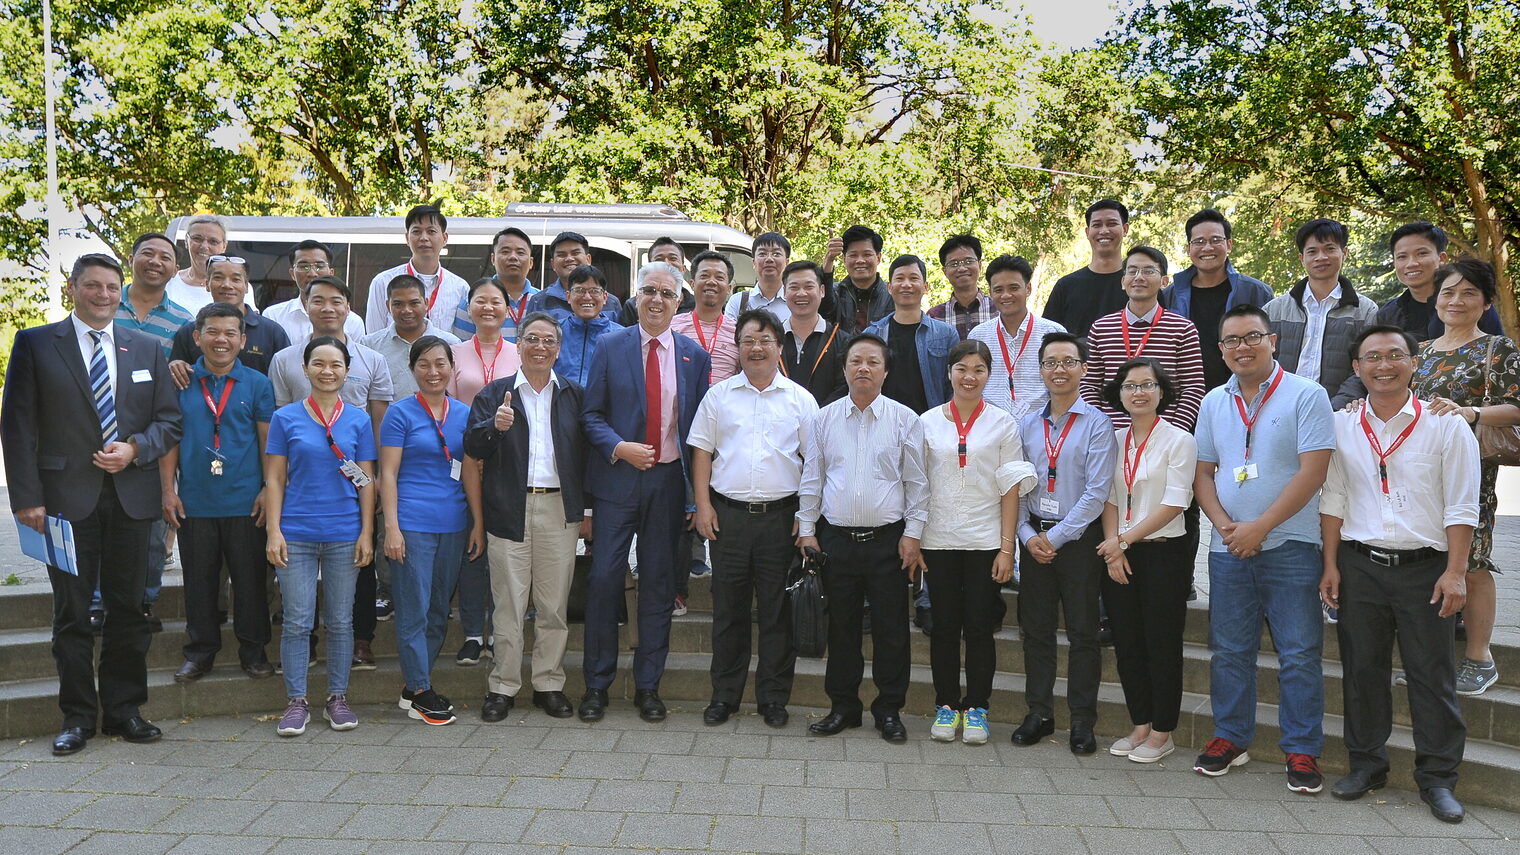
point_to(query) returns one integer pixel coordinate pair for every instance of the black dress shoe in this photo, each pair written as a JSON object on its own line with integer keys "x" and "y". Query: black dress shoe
{"x": 774, "y": 714}
{"x": 892, "y": 729}
{"x": 1443, "y": 804}
{"x": 258, "y": 670}
{"x": 834, "y": 722}
{"x": 1033, "y": 730}
{"x": 923, "y": 618}
{"x": 191, "y": 671}
{"x": 496, "y": 705}
{"x": 134, "y": 729}
{"x": 718, "y": 712}
{"x": 71, "y": 740}
{"x": 155, "y": 624}
{"x": 650, "y": 707}
{"x": 593, "y": 705}
{"x": 1082, "y": 741}
{"x": 554, "y": 703}
{"x": 97, "y": 621}
{"x": 1358, "y": 783}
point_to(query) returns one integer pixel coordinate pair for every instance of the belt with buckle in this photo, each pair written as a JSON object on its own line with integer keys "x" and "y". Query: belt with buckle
{"x": 1042, "y": 524}
{"x": 785, "y": 503}
{"x": 539, "y": 491}
{"x": 862, "y": 534}
{"x": 1395, "y": 557}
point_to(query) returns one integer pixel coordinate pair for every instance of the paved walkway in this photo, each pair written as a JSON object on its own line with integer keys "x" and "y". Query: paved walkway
{"x": 229, "y": 785}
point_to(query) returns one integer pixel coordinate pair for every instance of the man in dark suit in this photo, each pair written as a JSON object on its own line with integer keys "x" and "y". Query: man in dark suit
{"x": 89, "y": 408}
{"x": 639, "y": 481}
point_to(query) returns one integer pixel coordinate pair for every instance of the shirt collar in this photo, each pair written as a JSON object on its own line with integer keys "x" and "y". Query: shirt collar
{"x": 1332, "y": 298}
{"x": 876, "y": 407}
{"x": 1404, "y": 416}
{"x": 976, "y": 305}
{"x": 1148, "y": 317}
{"x": 429, "y": 329}
{"x": 522, "y": 381}
{"x": 1081, "y": 407}
{"x": 823, "y": 325}
{"x": 666, "y": 338}
{"x": 1232, "y": 385}
{"x": 162, "y": 300}
{"x": 775, "y": 382}
{"x": 82, "y": 330}
{"x": 200, "y": 370}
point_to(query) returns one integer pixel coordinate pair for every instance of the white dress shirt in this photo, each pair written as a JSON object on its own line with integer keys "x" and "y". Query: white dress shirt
{"x": 1432, "y": 479}
{"x": 542, "y": 469}
{"x": 442, "y": 291}
{"x": 756, "y": 436}
{"x": 291, "y": 315}
{"x": 1164, "y": 477}
{"x": 1028, "y": 393}
{"x": 864, "y": 468}
{"x": 86, "y": 341}
{"x": 965, "y": 504}
{"x": 193, "y": 298}
{"x": 1318, "y": 311}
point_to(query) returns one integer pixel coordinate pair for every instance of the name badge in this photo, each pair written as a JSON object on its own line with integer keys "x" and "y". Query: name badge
{"x": 352, "y": 472}
{"x": 142, "y": 375}
{"x": 1399, "y": 499}
{"x": 1049, "y": 507}
{"x": 455, "y": 469}
{"x": 1245, "y": 473}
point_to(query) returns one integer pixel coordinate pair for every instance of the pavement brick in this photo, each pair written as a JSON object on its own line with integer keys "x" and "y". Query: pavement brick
{"x": 18, "y": 838}
{"x": 548, "y": 793}
{"x": 902, "y": 776}
{"x": 524, "y": 761}
{"x": 890, "y": 805}
{"x": 846, "y": 773}
{"x": 576, "y": 827}
{"x": 962, "y": 838}
{"x": 663, "y": 767}
{"x": 302, "y": 819}
{"x": 676, "y": 831}
{"x": 448, "y": 761}
{"x": 42, "y": 808}
{"x": 715, "y": 799}
{"x": 120, "y": 778}
{"x": 665, "y": 742}
{"x": 1024, "y": 839}
{"x": 826, "y": 836}
{"x": 318, "y": 846}
{"x": 483, "y": 824}
{"x": 461, "y": 790}
{"x": 757, "y": 834}
{"x": 202, "y": 754}
{"x": 731, "y": 745}
{"x": 815, "y": 802}
{"x": 1420, "y": 846}
{"x": 123, "y": 843}
{"x": 47, "y": 775}
{"x": 1156, "y": 812}
{"x": 391, "y": 787}
{"x": 581, "y": 739}
{"x": 1197, "y": 843}
{"x": 223, "y": 844}
{"x": 1132, "y": 840}
{"x": 1237, "y": 843}
{"x": 750, "y": 770}
{"x": 991, "y": 808}
{"x": 378, "y": 758}
{"x": 633, "y": 796}
{"x": 122, "y": 813}
{"x": 605, "y": 764}
{"x": 297, "y": 785}
{"x": 212, "y": 816}
{"x": 393, "y": 822}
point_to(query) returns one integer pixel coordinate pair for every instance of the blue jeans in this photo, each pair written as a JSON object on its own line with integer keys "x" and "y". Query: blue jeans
{"x": 333, "y": 562}
{"x": 1280, "y": 585}
{"x": 421, "y": 584}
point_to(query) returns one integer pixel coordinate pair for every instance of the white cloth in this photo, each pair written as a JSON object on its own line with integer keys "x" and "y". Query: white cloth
{"x": 1318, "y": 311}
{"x": 1164, "y": 476}
{"x": 193, "y": 298}
{"x": 1029, "y": 393}
{"x": 864, "y": 468}
{"x": 757, "y": 300}
{"x": 1433, "y": 479}
{"x": 86, "y": 342}
{"x": 965, "y": 503}
{"x": 757, "y": 437}
{"x": 542, "y": 470}
{"x": 291, "y": 315}
{"x": 452, "y": 289}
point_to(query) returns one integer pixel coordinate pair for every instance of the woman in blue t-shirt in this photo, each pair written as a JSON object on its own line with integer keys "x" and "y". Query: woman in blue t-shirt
{"x": 319, "y": 506}
{"x": 431, "y": 501}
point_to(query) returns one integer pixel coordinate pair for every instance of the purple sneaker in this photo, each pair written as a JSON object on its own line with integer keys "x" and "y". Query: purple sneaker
{"x": 293, "y": 722}
{"x": 338, "y": 714}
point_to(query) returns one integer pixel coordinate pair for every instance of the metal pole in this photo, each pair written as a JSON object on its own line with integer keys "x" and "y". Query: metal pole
{"x": 53, "y": 278}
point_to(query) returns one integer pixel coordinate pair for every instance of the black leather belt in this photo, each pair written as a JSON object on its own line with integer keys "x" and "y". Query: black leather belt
{"x": 539, "y": 491}
{"x": 785, "y": 503}
{"x": 1042, "y": 524}
{"x": 1395, "y": 557}
{"x": 861, "y": 534}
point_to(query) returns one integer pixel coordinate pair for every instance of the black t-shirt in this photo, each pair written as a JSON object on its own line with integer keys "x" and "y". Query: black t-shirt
{"x": 1207, "y": 308}
{"x": 1082, "y": 296}
{"x": 1417, "y": 317}
{"x": 905, "y": 382}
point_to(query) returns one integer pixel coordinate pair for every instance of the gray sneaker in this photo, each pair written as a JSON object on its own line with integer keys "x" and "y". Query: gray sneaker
{"x": 339, "y": 715}
{"x": 1474, "y": 677}
{"x": 295, "y": 719}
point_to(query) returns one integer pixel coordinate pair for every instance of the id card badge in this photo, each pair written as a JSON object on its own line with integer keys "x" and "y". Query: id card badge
{"x": 455, "y": 469}
{"x": 1398, "y": 498}
{"x": 352, "y": 472}
{"x": 1049, "y": 507}
{"x": 142, "y": 375}
{"x": 1245, "y": 473}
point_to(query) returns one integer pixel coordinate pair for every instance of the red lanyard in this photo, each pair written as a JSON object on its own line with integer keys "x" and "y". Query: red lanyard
{"x": 438, "y": 423}
{"x": 522, "y": 304}
{"x": 488, "y": 370}
{"x": 964, "y": 430}
{"x": 1011, "y": 363}
{"x": 412, "y": 271}
{"x": 220, "y": 407}
{"x": 1133, "y": 469}
{"x": 1377, "y": 447}
{"x": 1124, "y": 327}
{"x": 1053, "y": 452}
{"x": 327, "y": 423}
{"x": 697, "y": 325}
{"x": 1240, "y": 405}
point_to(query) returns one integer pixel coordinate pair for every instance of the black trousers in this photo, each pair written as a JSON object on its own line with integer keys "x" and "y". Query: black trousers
{"x": 861, "y": 570}
{"x": 966, "y": 605}
{"x": 1378, "y": 604}
{"x": 1071, "y": 583}
{"x": 1147, "y": 617}
{"x": 750, "y": 558}
{"x": 364, "y": 603}
{"x": 111, "y": 550}
{"x": 207, "y": 543}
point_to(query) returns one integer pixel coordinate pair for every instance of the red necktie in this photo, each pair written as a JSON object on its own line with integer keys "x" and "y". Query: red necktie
{"x": 652, "y": 397}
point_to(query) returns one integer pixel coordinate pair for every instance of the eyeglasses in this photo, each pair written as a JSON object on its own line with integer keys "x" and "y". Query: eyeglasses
{"x": 763, "y": 342}
{"x": 587, "y": 292}
{"x": 962, "y": 262}
{"x": 1142, "y": 271}
{"x": 1201, "y": 242}
{"x": 232, "y": 258}
{"x": 1376, "y": 359}
{"x": 532, "y": 340}
{"x": 648, "y": 291}
{"x": 312, "y": 266}
{"x": 770, "y": 253}
{"x": 1131, "y": 388}
{"x": 1230, "y": 342}
{"x": 1053, "y": 364}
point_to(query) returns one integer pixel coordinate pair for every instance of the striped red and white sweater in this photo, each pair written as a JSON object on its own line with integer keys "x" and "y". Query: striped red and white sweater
{"x": 1173, "y": 343}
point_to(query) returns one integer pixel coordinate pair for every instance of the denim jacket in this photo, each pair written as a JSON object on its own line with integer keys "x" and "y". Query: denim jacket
{"x": 933, "y": 340}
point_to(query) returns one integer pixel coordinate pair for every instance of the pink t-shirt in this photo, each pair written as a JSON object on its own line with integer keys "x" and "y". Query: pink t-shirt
{"x": 717, "y": 340}
{"x": 471, "y": 373}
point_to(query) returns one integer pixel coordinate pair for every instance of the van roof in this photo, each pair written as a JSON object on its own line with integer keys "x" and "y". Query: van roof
{"x": 479, "y": 229}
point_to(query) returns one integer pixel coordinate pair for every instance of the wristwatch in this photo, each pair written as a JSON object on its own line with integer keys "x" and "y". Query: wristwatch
{"x": 1123, "y": 544}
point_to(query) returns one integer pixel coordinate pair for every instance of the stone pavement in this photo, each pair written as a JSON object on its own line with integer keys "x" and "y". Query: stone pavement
{"x": 532, "y": 784}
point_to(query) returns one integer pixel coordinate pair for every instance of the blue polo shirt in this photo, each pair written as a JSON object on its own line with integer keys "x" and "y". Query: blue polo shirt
{"x": 427, "y": 499}
{"x": 1297, "y": 418}
{"x": 163, "y": 320}
{"x": 249, "y": 404}
{"x": 321, "y": 505}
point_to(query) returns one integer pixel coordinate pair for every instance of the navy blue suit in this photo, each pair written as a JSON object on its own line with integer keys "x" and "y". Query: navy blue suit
{"x": 649, "y": 503}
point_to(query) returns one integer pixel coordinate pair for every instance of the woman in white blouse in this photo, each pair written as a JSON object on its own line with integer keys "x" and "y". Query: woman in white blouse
{"x": 1149, "y": 570}
{"x": 976, "y": 468}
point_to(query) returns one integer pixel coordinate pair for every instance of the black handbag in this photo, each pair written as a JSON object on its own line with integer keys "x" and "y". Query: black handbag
{"x": 809, "y": 605}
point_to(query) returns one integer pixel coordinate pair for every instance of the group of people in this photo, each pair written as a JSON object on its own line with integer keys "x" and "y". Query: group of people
{"x": 465, "y": 437}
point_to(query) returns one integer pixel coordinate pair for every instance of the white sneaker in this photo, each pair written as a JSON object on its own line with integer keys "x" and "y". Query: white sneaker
{"x": 947, "y": 723}
{"x": 1146, "y": 753}
{"x": 1122, "y": 747}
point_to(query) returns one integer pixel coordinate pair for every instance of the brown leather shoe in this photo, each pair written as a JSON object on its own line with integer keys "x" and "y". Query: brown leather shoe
{"x": 190, "y": 672}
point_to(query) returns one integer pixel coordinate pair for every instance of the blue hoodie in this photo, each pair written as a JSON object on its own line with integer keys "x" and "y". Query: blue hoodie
{"x": 580, "y": 340}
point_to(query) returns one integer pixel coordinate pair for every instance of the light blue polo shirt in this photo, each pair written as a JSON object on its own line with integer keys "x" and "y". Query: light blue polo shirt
{"x": 251, "y": 402}
{"x": 1296, "y": 419}
{"x": 321, "y": 505}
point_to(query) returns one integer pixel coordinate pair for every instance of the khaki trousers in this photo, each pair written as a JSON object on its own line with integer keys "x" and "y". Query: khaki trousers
{"x": 541, "y": 566}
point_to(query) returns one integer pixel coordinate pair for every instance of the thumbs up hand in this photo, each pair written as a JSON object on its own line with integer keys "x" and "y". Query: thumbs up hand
{"x": 504, "y": 414}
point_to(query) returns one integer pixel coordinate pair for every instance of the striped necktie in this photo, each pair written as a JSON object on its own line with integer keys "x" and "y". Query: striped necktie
{"x": 100, "y": 387}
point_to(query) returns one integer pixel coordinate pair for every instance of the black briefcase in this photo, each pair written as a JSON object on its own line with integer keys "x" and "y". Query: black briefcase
{"x": 808, "y": 605}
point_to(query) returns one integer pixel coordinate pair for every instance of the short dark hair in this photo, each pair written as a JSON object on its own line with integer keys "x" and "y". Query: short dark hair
{"x": 712, "y": 255}
{"x": 536, "y": 317}
{"x": 332, "y": 282}
{"x": 870, "y": 338}
{"x": 1242, "y": 310}
{"x": 219, "y": 310}
{"x": 423, "y": 213}
{"x": 666, "y": 240}
{"x": 955, "y": 242}
{"x": 766, "y": 320}
{"x": 1111, "y": 391}
{"x": 1383, "y": 329}
{"x": 906, "y": 260}
{"x": 142, "y": 239}
{"x": 1063, "y": 338}
{"x": 970, "y": 347}
{"x": 1011, "y": 264}
{"x": 423, "y": 345}
{"x": 1207, "y": 215}
{"x": 95, "y": 259}
{"x": 856, "y": 234}
{"x": 310, "y": 244}
{"x": 1106, "y": 205}
{"x": 1150, "y": 252}
{"x": 1420, "y": 228}
{"x": 584, "y": 272}
{"x": 1475, "y": 270}
{"x": 805, "y": 265}
{"x": 401, "y": 283}
{"x": 564, "y": 236}
{"x": 1322, "y": 228}
{"x": 514, "y": 231}
{"x": 493, "y": 282}
{"x": 773, "y": 239}
{"x": 325, "y": 340}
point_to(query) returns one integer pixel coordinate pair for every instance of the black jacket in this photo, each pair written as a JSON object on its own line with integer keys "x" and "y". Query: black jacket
{"x": 842, "y": 310}
{"x": 826, "y": 350}
{"x": 505, "y": 454}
